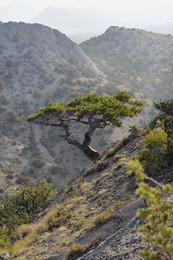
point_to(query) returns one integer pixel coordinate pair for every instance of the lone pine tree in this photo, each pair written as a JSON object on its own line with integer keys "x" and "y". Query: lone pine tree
{"x": 92, "y": 110}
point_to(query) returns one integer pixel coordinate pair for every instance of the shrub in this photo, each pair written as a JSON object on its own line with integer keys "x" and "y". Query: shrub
{"x": 37, "y": 93}
{"x": 20, "y": 206}
{"x": 12, "y": 116}
{"x": 22, "y": 180}
{"x": 75, "y": 250}
{"x": 60, "y": 218}
{"x": 102, "y": 218}
{"x": 38, "y": 163}
{"x": 155, "y": 147}
{"x": 58, "y": 169}
{"x": 4, "y": 100}
{"x": 157, "y": 217}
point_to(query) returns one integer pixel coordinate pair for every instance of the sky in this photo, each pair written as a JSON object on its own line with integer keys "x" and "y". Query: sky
{"x": 146, "y": 11}
{"x": 130, "y": 5}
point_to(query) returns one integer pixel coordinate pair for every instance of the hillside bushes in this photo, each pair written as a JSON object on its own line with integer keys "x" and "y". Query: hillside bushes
{"x": 158, "y": 142}
{"x": 155, "y": 147}
{"x": 20, "y": 206}
{"x": 157, "y": 217}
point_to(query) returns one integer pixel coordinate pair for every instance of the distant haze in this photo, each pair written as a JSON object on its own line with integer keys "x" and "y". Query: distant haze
{"x": 80, "y": 21}
{"x": 91, "y": 17}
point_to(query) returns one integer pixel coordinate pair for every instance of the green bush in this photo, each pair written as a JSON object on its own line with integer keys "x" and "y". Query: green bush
{"x": 155, "y": 147}
{"x": 157, "y": 218}
{"x": 20, "y": 206}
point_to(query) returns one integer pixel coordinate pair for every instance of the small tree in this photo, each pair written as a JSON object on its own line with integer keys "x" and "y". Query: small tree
{"x": 92, "y": 110}
{"x": 157, "y": 217}
{"x": 155, "y": 148}
{"x": 166, "y": 106}
{"x": 20, "y": 206}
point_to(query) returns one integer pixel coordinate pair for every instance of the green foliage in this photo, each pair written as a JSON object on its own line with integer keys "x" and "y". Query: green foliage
{"x": 4, "y": 240}
{"x": 157, "y": 217}
{"x": 93, "y": 110}
{"x": 109, "y": 108}
{"x": 57, "y": 108}
{"x": 155, "y": 147}
{"x": 20, "y": 206}
{"x": 166, "y": 122}
{"x": 165, "y": 106}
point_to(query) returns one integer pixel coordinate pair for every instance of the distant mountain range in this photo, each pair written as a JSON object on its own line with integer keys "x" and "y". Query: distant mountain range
{"x": 88, "y": 21}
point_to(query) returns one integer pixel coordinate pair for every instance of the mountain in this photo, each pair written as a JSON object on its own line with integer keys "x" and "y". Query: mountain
{"x": 136, "y": 60}
{"x": 38, "y": 64}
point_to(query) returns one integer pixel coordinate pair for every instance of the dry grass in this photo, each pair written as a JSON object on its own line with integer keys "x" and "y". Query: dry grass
{"x": 102, "y": 191}
{"x": 102, "y": 218}
{"x": 75, "y": 250}
{"x": 31, "y": 232}
{"x": 104, "y": 174}
{"x": 25, "y": 230}
{"x": 85, "y": 186}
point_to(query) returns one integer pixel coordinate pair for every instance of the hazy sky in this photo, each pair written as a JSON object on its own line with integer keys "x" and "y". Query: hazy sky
{"x": 147, "y": 7}
{"x": 151, "y": 11}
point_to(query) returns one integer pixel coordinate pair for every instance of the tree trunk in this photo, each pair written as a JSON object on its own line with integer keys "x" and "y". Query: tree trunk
{"x": 90, "y": 153}
{"x": 86, "y": 149}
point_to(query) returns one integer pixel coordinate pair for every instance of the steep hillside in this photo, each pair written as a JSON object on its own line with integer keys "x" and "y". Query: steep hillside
{"x": 96, "y": 211}
{"x": 138, "y": 61}
{"x": 38, "y": 64}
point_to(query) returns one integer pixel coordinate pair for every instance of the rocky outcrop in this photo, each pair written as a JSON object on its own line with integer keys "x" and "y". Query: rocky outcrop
{"x": 51, "y": 43}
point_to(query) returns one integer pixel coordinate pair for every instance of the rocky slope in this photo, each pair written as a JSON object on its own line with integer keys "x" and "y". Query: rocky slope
{"x": 38, "y": 64}
{"x": 97, "y": 210}
{"x": 138, "y": 61}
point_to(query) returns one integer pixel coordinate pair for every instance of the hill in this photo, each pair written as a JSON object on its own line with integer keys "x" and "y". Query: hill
{"x": 136, "y": 60}
{"x": 38, "y": 64}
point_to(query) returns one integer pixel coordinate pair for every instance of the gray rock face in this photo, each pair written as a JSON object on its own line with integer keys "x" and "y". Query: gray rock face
{"x": 126, "y": 243}
{"x": 52, "y": 44}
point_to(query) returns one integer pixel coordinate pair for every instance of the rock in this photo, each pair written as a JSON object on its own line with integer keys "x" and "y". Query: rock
{"x": 96, "y": 168}
{"x": 19, "y": 236}
{"x": 2, "y": 226}
{"x": 4, "y": 256}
